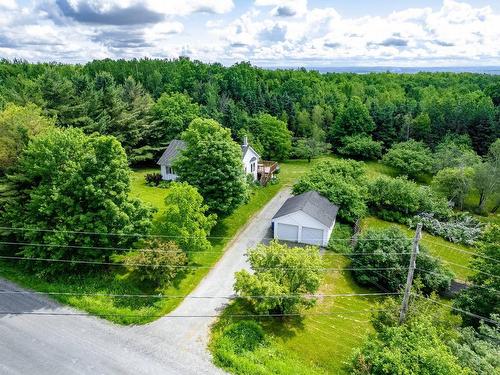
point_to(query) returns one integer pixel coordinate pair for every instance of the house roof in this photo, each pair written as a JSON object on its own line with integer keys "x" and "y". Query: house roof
{"x": 176, "y": 145}
{"x": 313, "y": 204}
{"x": 173, "y": 149}
{"x": 245, "y": 148}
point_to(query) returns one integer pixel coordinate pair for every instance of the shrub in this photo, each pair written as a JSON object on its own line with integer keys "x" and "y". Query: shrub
{"x": 460, "y": 228}
{"x": 360, "y": 147}
{"x": 389, "y": 250}
{"x": 340, "y": 240}
{"x": 429, "y": 342}
{"x": 398, "y": 199}
{"x": 411, "y": 158}
{"x": 242, "y": 336}
{"x": 153, "y": 179}
{"x": 342, "y": 182}
{"x": 158, "y": 262}
{"x": 184, "y": 218}
{"x": 483, "y": 297}
{"x": 283, "y": 275}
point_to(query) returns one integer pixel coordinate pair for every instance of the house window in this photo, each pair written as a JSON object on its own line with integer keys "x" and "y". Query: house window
{"x": 170, "y": 170}
{"x": 252, "y": 167}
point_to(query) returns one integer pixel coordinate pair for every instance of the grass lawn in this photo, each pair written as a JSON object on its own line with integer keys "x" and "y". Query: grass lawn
{"x": 117, "y": 281}
{"x": 454, "y": 256}
{"x": 314, "y": 344}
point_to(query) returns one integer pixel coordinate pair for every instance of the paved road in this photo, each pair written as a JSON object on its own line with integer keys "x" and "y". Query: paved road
{"x": 33, "y": 344}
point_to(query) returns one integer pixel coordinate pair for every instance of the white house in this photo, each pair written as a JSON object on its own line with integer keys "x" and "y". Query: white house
{"x": 305, "y": 218}
{"x": 250, "y": 159}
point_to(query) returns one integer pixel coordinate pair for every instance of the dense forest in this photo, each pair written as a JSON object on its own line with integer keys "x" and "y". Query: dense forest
{"x": 146, "y": 103}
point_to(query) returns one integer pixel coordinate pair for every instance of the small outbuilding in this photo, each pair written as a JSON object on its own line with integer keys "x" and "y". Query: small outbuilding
{"x": 306, "y": 218}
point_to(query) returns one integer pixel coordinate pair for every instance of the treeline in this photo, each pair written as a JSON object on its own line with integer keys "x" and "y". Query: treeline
{"x": 146, "y": 103}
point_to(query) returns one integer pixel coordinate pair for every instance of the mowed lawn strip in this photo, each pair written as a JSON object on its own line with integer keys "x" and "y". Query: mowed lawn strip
{"x": 116, "y": 280}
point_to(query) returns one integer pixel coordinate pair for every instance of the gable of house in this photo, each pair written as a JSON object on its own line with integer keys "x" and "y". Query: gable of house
{"x": 171, "y": 152}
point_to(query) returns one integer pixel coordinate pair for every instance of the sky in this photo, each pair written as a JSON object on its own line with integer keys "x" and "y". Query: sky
{"x": 294, "y": 33}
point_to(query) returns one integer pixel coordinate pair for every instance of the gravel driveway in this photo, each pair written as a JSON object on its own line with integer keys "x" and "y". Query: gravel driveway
{"x": 33, "y": 344}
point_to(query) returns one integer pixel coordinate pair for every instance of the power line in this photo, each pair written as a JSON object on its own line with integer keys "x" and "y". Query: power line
{"x": 216, "y": 252}
{"x": 331, "y": 313}
{"x": 459, "y": 265}
{"x": 164, "y": 251}
{"x": 160, "y": 296}
{"x": 460, "y": 310}
{"x": 461, "y": 250}
{"x": 348, "y": 240}
{"x": 474, "y": 285}
{"x": 186, "y": 267}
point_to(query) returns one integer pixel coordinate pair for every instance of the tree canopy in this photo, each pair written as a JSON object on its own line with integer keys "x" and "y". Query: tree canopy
{"x": 342, "y": 182}
{"x": 212, "y": 164}
{"x": 281, "y": 273}
{"x": 17, "y": 126}
{"x": 411, "y": 158}
{"x": 71, "y": 186}
{"x": 273, "y": 135}
{"x": 387, "y": 252}
{"x": 184, "y": 219}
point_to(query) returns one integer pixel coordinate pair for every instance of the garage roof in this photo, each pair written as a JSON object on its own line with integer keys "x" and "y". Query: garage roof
{"x": 313, "y": 204}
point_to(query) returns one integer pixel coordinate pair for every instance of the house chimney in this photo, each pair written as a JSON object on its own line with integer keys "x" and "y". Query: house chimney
{"x": 245, "y": 141}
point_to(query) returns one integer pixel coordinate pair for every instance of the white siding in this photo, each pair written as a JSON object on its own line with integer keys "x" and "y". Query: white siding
{"x": 301, "y": 220}
{"x": 247, "y": 165}
{"x": 166, "y": 173}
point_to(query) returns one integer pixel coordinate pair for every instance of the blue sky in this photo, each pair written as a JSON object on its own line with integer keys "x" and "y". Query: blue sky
{"x": 265, "y": 32}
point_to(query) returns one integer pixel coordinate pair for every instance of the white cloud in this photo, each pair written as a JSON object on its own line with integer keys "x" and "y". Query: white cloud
{"x": 457, "y": 33}
{"x": 8, "y": 4}
{"x": 284, "y": 8}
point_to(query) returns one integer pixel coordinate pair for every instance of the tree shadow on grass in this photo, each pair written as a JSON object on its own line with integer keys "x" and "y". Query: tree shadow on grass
{"x": 283, "y": 327}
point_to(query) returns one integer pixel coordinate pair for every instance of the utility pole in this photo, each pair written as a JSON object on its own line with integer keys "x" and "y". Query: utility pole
{"x": 411, "y": 270}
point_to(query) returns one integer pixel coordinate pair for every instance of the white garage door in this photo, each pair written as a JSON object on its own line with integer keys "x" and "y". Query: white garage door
{"x": 312, "y": 236}
{"x": 288, "y": 232}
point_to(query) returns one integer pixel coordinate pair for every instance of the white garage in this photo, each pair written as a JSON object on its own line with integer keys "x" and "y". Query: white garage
{"x": 306, "y": 218}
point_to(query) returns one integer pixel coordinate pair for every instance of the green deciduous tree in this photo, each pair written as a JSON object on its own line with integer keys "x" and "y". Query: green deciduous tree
{"x": 353, "y": 119}
{"x": 17, "y": 126}
{"x": 184, "y": 219}
{"x": 342, "y": 182}
{"x": 71, "y": 186}
{"x": 172, "y": 114}
{"x": 429, "y": 342}
{"x": 283, "y": 274}
{"x": 309, "y": 148}
{"x": 454, "y": 183}
{"x": 360, "y": 147}
{"x": 274, "y": 137}
{"x": 455, "y": 152}
{"x": 158, "y": 262}
{"x": 388, "y": 251}
{"x": 487, "y": 175}
{"x": 212, "y": 163}
{"x": 411, "y": 158}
